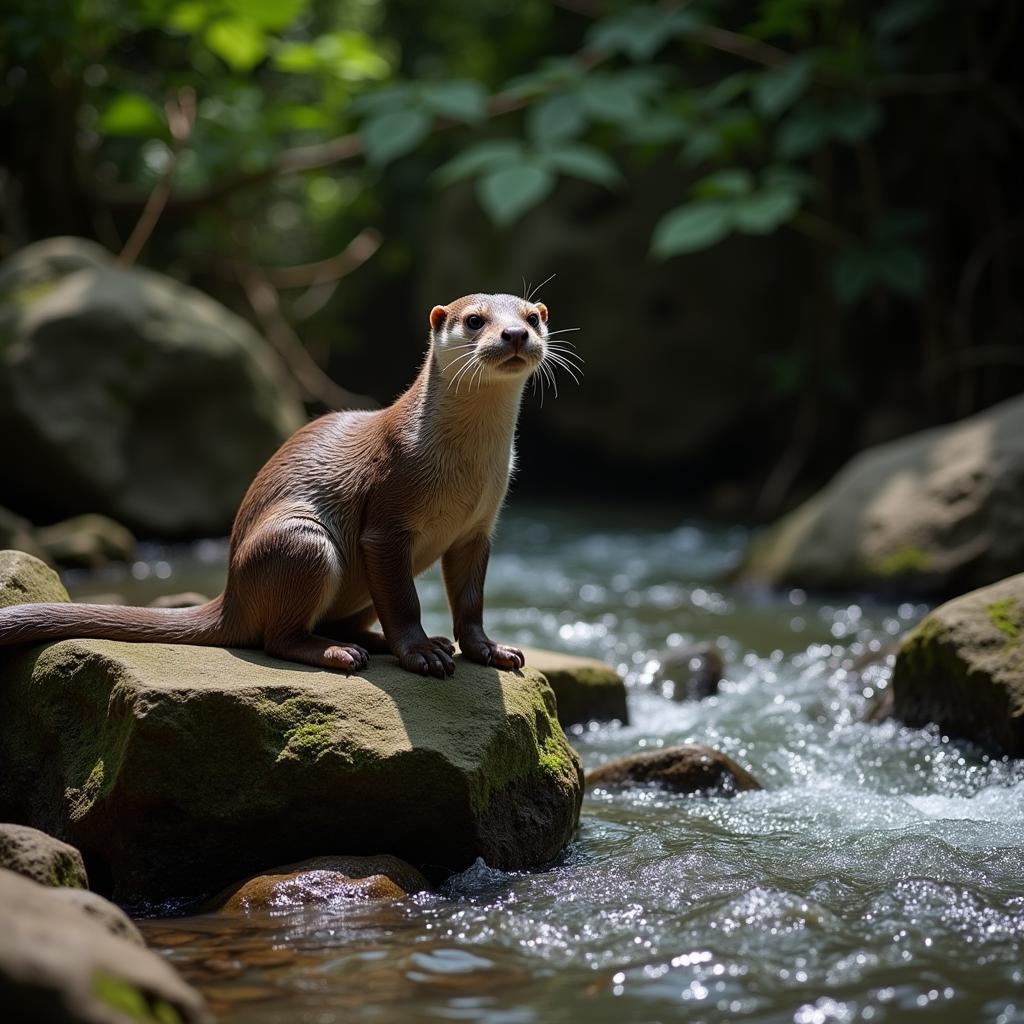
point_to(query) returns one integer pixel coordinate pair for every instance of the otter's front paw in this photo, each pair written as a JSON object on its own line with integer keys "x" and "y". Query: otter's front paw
{"x": 487, "y": 652}
{"x": 431, "y": 656}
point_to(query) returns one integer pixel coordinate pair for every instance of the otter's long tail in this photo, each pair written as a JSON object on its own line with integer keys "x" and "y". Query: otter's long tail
{"x": 33, "y": 623}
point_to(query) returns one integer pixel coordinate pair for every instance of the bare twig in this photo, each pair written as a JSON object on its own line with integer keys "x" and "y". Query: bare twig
{"x": 181, "y": 116}
{"x": 307, "y": 275}
{"x": 315, "y": 384}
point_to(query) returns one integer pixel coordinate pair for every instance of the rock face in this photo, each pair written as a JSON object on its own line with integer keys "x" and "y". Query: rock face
{"x": 62, "y": 965}
{"x": 963, "y": 668}
{"x": 147, "y": 400}
{"x": 688, "y": 768}
{"x": 324, "y": 880}
{"x": 937, "y": 512}
{"x": 176, "y": 770}
{"x": 586, "y": 689}
{"x": 34, "y": 854}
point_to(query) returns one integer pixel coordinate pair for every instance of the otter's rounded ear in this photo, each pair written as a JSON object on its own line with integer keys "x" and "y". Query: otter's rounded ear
{"x": 543, "y": 310}
{"x": 438, "y": 315}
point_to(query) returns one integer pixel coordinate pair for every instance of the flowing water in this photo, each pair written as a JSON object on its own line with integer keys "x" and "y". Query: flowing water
{"x": 877, "y": 877}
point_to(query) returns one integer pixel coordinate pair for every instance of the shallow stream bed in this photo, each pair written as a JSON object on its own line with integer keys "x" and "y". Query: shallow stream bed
{"x": 879, "y": 876}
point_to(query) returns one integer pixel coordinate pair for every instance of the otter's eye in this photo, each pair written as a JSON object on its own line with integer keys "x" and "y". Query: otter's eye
{"x": 533, "y": 320}
{"x": 474, "y": 322}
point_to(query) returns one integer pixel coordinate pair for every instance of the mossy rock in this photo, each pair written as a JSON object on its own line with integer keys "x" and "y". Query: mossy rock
{"x": 963, "y": 668}
{"x": 176, "y": 770}
{"x": 586, "y": 689}
{"x": 935, "y": 513}
{"x": 25, "y": 579}
{"x": 45, "y": 860}
{"x": 65, "y": 961}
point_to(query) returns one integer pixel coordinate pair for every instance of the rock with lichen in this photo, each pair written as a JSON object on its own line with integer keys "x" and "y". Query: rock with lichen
{"x": 586, "y": 690}
{"x": 177, "y": 769}
{"x": 64, "y": 962}
{"x": 323, "y": 881}
{"x": 963, "y": 668}
{"x": 687, "y": 768}
{"x": 935, "y": 513}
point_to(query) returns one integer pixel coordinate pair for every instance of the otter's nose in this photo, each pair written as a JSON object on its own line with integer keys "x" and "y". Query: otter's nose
{"x": 515, "y": 336}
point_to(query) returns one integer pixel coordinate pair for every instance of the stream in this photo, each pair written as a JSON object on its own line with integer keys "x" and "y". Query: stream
{"x": 877, "y": 877}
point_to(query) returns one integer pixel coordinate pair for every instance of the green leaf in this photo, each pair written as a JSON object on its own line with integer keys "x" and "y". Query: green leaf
{"x": 481, "y": 157}
{"x": 777, "y": 90}
{"x": 725, "y": 184}
{"x": 393, "y": 134}
{"x": 791, "y": 178}
{"x": 899, "y": 268}
{"x": 606, "y": 100}
{"x": 725, "y": 90}
{"x": 641, "y": 31}
{"x": 132, "y": 115}
{"x": 301, "y": 118}
{"x": 508, "y": 192}
{"x": 764, "y": 211}
{"x": 268, "y": 14}
{"x": 690, "y": 228}
{"x": 855, "y": 120}
{"x": 464, "y": 100}
{"x": 556, "y": 119}
{"x": 380, "y": 101}
{"x": 899, "y": 16}
{"x": 188, "y": 17}
{"x": 803, "y": 132}
{"x": 296, "y": 58}
{"x": 584, "y": 162}
{"x": 239, "y": 42}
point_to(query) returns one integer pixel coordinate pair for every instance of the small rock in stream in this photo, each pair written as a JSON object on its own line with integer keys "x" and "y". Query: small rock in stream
{"x": 688, "y": 768}
{"x": 690, "y": 673}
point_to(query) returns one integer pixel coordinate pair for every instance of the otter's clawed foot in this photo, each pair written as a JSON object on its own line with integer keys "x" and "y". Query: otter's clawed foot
{"x": 429, "y": 657}
{"x": 319, "y": 652}
{"x": 487, "y": 652}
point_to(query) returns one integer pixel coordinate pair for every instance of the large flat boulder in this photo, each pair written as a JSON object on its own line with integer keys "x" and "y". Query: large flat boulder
{"x": 935, "y": 513}
{"x": 177, "y": 770}
{"x": 147, "y": 400}
{"x": 963, "y": 668}
{"x": 63, "y": 962}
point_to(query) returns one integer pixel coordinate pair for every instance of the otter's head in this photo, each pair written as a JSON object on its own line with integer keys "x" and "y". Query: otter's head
{"x": 483, "y": 339}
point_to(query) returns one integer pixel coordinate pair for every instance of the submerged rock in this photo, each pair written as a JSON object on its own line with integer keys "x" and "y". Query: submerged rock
{"x": 690, "y": 673}
{"x": 323, "y": 880}
{"x": 937, "y": 512}
{"x": 29, "y": 852}
{"x": 963, "y": 668}
{"x": 61, "y": 964}
{"x": 586, "y": 689}
{"x": 688, "y": 768}
{"x": 177, "y": 769}
{"x": 147, "y": 400}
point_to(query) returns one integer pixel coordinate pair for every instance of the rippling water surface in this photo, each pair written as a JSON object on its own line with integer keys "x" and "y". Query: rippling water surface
{"x": 877, "y": 877}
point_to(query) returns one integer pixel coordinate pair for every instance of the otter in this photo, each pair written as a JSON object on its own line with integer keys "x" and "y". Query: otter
{"x": 336, "y": 526}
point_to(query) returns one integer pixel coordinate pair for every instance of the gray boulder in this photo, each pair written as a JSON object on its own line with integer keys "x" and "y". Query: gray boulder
{"x": 148, "y": 401}
{"x": 935, "y": 513}
{"x": 29, "y": 852}
{"x": 963, "y": 668}
{"x": 178, "y": 769}
{"x": 61, "y": 964}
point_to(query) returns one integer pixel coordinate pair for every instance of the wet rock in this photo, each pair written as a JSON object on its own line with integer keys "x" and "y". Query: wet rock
{"x": 148, "y": 401}
{"x": 689, "y": 768}
{"x": 935, "y": 513}
{"x": 62, "y": 965}
{"x": 176, "y": 769}
{"x": 324, "y": 880}
{"x": 45, "y": 860}
{"x": 87, "y": 542}
{"x": 690, "y": 673}
{"x": 963, "y": 668}
{"x": 587, "y": 690}
{"x": 187, "y": 599}
{"x": 24, "y": 579}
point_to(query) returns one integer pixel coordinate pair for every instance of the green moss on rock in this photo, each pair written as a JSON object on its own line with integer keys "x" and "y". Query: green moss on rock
{"x": 1007, "y": 616}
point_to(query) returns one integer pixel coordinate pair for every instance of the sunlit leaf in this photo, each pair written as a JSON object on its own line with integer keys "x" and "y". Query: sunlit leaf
{"x": 764, "y": 211}
{"x": 585, "y": 162}
{"x": 690, "y": 228}
{"x": 297, "y": 58}
{"x": 189, "y": 17}
{"x": 239, "y": 42}
{"x": 464, "y": 100}
{"x": 508, "y": 192}
{"x": 726, "y": 183}
{"x": 132, "y": 114}
{"x": 393, "y": 134}
{"x": 556, "y": 119}
{"x": 268, "y": 14}
{"x": 481, "y": 157}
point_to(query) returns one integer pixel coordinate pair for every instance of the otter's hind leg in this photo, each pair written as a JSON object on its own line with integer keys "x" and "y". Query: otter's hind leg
{"x": 285, "y": 575}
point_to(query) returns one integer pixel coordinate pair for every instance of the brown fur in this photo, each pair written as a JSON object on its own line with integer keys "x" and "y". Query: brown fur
{"x": 335, "y": 527}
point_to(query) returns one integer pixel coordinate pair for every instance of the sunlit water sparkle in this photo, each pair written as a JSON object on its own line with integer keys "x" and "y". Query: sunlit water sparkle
{"x": 876, "y": 878}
